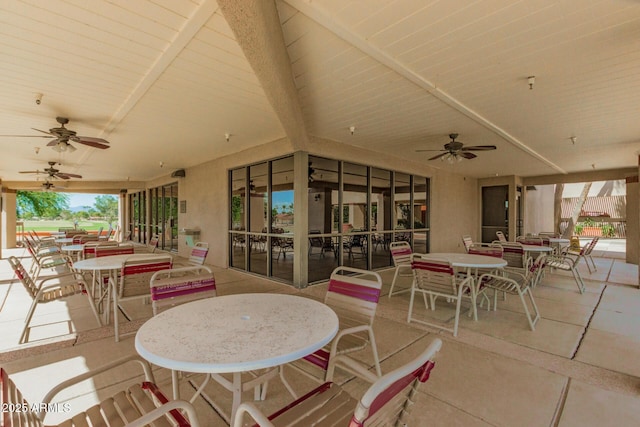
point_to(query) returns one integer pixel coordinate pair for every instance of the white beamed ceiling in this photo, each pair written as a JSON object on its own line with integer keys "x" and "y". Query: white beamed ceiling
{"x": 165, "y": 80}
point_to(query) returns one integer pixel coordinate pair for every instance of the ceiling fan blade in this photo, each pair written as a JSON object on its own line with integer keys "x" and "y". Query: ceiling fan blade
{"x": 422, "y": 151}
{"x": 65, "y": 175}
{"x": 467, "y": 155}
{"x": 26, "y": 136}
{"x": 439, "y": 155}
{"x": 479, "y": 148}
{"x": 92, "y": 142}
{"x": 43, "y": 131}
{"x": 52, "y": 143}
{"x": 31, "y": 172}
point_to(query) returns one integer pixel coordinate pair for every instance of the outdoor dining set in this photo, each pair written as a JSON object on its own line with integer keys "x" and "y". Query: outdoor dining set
{"x": 242, "y": 341}
{"x": 239, "y": 341}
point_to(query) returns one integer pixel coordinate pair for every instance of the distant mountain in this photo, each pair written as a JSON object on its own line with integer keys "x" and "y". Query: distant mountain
{"x": 79, "y": 208}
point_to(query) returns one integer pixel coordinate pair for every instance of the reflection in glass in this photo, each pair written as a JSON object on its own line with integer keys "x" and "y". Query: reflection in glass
{"x": 282, "y": 218}
{"x": 420, "y": 214}
{"x": 381, "y": 218}
{"x": 324, "y": 246}
{"x": 355, "y": 212}
{"x": 354, "y": 198}
{"x": 402, "y": 200}
{"x": 237, "y": 218}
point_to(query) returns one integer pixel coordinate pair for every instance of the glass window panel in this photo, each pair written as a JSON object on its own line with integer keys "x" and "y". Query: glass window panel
{"x": 238, "y": 250}
{"x": 324, "y": 246}
{"x": 258, "y": 180}
{"x": 237, "y": 218}
{"x": 238, "y": 198}
{"x": 282, "y": 209}
{"x": 355, "y": 248}
{"x": 421, "y": 242}
{"x": 380, "y": 253}
{"x": 381, "y": 215}
{"x": 402, "y": 201}
{"x": 282, "y": 219}
{"x": 354, "y": 198}
{"x": 419, "y": 202}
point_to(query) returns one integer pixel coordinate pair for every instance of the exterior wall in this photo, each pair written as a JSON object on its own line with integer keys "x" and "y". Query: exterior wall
{"x": 454, "y": 198}
{"x": 538, "y": 210}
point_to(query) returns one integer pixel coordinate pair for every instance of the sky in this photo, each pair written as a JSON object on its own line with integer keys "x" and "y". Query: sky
{"x": 77, "y": 199}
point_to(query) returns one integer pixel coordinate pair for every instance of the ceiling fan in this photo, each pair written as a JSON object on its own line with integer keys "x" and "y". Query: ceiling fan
{"x": 63, "y": 136}
{"x": 48, "y": 186}
{"x": 455, "y": 150}
{"x": 54, "y": 173}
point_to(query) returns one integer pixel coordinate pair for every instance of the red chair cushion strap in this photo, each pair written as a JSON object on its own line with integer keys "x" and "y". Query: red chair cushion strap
{"x": 183, "y": 288}
{"x": 145, "y": 268}
{"x": 175, "y": 414}
{"x": 115, "y": 251}
{"x": 401, "y": 251}
{"x": 320, "y": 389}
{"x": 421, "y": 374}
{"x": 430, "y": 266}
{"x": 198, "y": 252}
{"x": 494, "y": 252}
{"x": 512, "y": 250}
{"x": 354, "y": 290}
{"x": 320, "y": 358}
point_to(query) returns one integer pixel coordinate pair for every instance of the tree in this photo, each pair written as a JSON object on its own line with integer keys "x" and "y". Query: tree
{"x": 44, "y": 204}
{"x": 576, "y": 210}
{"x": 107, "y": 207}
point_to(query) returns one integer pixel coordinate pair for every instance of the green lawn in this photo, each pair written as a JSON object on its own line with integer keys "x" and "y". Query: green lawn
{"x": 45, "y": 225}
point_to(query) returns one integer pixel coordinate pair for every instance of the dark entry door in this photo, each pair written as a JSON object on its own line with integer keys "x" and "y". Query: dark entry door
{"x": 495, "y": 212}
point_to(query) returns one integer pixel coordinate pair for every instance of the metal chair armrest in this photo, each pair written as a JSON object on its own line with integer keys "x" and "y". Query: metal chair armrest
{"x": 164, "y": 409}
{"x": 252, "y": 410}
{"x": 148, "y": 374}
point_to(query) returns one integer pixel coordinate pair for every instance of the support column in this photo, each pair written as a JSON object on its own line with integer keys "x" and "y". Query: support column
{"x": 301, "y": 219}
{"x": 8, "y": 227}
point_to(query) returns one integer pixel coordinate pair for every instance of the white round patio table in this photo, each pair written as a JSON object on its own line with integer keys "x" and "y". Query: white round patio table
{"x": 537, "y": 248}
{"x": 471, "y": 262}
{"x": 73, "y": 249}
{"x": 235, "y": 334}
{"x": 111, "y": 264}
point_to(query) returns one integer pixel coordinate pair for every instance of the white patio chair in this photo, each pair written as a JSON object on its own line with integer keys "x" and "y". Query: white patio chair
{"x": 516, "y": 257}
{"x": 566, "y": 262}
{"x": 387, "y": 402}
{"x": 585, "y": 253}
{"x": 180, "y": 285}
{"x": 436, "y": 278}
{"x": 353, "y": 294}
{"x": 501, "y": 236}
{"x": 197, "y": 256}
{"x": 135, "y": 277}
{"x": 514, "y": 283}
{"x": 139, "y": 405}
{"x": 467, "y": 241}
{"x": 51, "y": 288}
{"x": 401, "y": 254}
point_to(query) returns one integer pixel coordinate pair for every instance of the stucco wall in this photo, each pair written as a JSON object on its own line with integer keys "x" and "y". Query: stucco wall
{"x": 454, "y": 202}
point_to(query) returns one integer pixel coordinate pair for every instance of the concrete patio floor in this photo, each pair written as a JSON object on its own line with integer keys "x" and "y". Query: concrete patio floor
{"x": 578, "y": 368}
